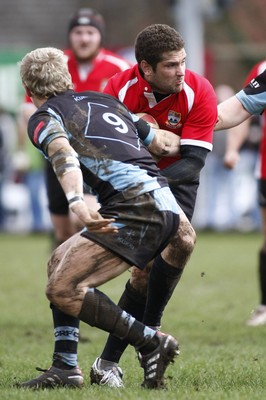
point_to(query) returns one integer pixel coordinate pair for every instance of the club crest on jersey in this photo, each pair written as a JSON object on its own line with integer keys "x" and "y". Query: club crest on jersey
{"x": 173, "y": 119}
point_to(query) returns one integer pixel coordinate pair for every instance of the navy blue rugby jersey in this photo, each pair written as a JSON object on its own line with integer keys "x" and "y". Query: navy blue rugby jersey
{"x": 102, "y": 132}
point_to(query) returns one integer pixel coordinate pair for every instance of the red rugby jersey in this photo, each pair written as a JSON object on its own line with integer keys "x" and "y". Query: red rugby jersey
{"x": 261, "y": 171}
{"x": 191, "y": 114}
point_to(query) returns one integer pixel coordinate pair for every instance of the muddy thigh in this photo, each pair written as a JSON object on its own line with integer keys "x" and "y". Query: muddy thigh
{"x": 76, "y": 265}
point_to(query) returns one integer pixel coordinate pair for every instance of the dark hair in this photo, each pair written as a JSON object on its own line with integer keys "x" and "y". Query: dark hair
{"x": 155, "y": 40}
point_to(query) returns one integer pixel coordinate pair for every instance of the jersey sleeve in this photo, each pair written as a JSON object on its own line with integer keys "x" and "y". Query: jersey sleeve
{"x": 255, "y": 71}
{"x": 251, "y": 75}
{"x": 253, "y": 96}
{"x": 199, "y": 125}
{"x": 43, "y": 129}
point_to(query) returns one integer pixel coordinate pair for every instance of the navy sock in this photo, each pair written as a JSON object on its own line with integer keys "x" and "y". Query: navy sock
{"x": 162, "y": 282}
{"x": 66, "y": 334}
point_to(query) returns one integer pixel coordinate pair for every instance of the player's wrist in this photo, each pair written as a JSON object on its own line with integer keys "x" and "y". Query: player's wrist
{"x": 149, "y": 138}
{"x": 73, "y": 198}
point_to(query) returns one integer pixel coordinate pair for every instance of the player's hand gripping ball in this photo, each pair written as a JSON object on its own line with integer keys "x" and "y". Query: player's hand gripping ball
{"x": 165, "y": 143}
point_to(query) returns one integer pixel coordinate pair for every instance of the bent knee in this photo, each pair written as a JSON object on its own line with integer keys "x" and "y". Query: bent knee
{"x": 185, "y": 235}
{"x": 182, "y": 245}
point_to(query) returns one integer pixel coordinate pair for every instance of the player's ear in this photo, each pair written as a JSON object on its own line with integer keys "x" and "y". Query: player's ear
{"x": 146, "y": 68}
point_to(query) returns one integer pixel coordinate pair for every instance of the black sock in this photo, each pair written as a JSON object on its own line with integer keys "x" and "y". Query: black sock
{"x": 66, "y": 333}
{"x": 262, "y": 276}
{"x": 162, "y": 282}
{"x": 133, "y": 303}
{"x": 99, "y": 310}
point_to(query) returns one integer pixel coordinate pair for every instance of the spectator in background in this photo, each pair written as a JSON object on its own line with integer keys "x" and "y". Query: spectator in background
{"x": 29, "y": 169}
{"x": 7, "y": 147}
{"x": 258, "y": 315}
{"x": 214, "y": 207}
{"x": 90, "y": 66}
{"x": 226, "y": 197}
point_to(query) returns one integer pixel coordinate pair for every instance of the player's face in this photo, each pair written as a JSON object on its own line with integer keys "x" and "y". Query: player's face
{"x": 170, "y": 73}
{"x": 85, "y": 42}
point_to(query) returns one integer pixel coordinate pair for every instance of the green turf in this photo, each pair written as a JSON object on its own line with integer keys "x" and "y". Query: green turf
{"x": 220, "y": 357}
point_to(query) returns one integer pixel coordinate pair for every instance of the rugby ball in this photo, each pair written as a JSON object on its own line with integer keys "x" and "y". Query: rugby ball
{"x": 150, "y": 119}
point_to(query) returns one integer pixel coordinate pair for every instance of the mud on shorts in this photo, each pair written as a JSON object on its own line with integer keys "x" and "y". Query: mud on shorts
{"x": 144, "y": 231}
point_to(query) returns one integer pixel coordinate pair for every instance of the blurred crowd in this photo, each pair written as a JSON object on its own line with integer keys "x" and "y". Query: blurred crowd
{"x": 228, "y": 198}
{"x": 23, "y": 201}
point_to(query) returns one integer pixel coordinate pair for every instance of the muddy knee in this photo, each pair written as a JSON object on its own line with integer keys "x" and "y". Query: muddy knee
{"x": 182, "y": 245}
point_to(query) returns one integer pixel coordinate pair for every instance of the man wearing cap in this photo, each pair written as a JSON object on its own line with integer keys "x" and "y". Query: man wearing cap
{"x": 90, "y": 66}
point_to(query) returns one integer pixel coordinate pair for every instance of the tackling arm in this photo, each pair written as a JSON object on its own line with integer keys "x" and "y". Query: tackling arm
{"x": 159, "y": 142}
{"x": 230, "y": 113}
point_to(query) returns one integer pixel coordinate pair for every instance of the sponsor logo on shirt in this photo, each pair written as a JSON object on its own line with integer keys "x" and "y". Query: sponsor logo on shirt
{"x": 254, "y": 84}
{"x": 78, "y": 98}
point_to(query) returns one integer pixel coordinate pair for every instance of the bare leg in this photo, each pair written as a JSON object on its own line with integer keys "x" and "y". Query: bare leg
{"x": 79, "y": 264}
{"x": 76, "y": 268}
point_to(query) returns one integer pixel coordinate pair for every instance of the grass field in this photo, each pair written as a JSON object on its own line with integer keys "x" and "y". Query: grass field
{"x": 221, "y": 358}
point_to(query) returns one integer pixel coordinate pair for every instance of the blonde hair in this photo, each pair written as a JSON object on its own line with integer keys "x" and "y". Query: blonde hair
{"x": 44, "y": 72}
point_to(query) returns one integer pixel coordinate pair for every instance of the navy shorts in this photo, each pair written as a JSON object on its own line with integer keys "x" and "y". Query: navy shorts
{"x": 144, "y": 231}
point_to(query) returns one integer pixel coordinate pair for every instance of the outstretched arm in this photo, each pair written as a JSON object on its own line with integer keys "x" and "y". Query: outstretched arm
{"x": 231, "y": 113}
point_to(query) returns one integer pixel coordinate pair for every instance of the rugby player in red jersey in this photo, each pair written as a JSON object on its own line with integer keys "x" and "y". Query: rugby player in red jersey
{"x": 184, "y": 103}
